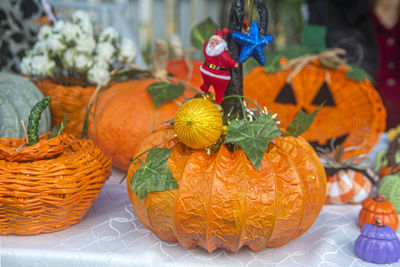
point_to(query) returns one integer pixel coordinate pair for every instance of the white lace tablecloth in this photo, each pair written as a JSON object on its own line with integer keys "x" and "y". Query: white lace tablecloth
{"x": 111, "y": 235}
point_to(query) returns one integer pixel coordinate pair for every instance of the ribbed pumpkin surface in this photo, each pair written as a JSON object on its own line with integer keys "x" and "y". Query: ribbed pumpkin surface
{"x": 372, "y": 209}
{"x": 223, "y": 201}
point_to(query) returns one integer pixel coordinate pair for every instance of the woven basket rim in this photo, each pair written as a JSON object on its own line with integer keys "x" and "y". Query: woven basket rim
{"x": 12, "y": 149}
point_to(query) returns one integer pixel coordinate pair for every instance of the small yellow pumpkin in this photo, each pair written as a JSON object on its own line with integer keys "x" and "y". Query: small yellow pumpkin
{"x": 198, "y": 123}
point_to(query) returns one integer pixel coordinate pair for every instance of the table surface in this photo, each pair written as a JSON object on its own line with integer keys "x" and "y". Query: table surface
{"x": 111, "y": 235}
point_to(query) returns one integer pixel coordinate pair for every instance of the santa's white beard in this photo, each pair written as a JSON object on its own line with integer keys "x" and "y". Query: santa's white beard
{"x": 218, "y": 49}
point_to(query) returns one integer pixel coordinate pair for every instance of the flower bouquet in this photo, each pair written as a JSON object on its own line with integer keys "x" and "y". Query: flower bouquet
{"x": 70, "y": 59}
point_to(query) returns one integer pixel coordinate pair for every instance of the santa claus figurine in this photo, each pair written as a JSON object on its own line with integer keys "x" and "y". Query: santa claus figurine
{"x": 215, "y": 70}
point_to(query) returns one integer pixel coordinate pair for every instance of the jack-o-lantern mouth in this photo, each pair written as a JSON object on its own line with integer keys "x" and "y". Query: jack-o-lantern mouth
{"x": 330, "y": 144}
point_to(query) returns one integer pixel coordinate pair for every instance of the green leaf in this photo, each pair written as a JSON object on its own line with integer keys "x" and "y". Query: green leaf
{"x": 358, "y": 74}
{"x": 253, "y": 136}
{"x": 85, "y": 124}
{"x": 155, "y": 174}
{"x": 202, "y": 32}
{"x": 163, "y": 92}
{"x": 302, "y": 122}
{"x": 58, "y": 129}
{"x": 314, "y": 36}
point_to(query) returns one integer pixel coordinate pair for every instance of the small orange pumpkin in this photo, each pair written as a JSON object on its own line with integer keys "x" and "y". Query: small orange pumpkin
{"x": 223, "y": 201}
{"x": 378, "y": 207}
{"x": 353, "y": 114}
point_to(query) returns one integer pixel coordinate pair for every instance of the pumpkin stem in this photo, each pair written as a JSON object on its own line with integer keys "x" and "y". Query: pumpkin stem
{"x": 34, "y": 118}
{"x": 160, "y": 60}
{"x": 379, "y": 223}
{"x": 339, "y": 154}
{"x": 379, "y": 198}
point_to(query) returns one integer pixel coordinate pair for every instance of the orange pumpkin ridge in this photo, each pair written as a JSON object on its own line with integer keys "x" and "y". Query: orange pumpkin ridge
{"x": 374, "y": 207}
{"x": 223, "y": 201}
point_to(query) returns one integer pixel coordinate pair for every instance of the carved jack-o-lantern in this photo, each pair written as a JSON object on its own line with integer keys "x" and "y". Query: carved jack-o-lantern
{"x": 353, "y": 113}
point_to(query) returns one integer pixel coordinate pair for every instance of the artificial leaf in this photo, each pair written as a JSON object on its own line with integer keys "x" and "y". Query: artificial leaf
{"x": 155, "y": 174}
{"x": 314, "y": 37}
{"x": 58, "y": 129}
{"x": 171, "y": 121}
{"x": 163, "y": 92}
{"x": 358, "y": 74}
{"x": 302, "y": 122}
{"x": 253, "y": 136}
{"x": 85, "y": 124}
{"x": 202, "y": 32}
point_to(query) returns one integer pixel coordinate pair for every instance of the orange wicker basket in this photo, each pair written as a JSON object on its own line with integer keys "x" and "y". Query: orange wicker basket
{"x": 48, "y": 186}
{"x": 354, "y": 117}
{"x": 70, "y": 99}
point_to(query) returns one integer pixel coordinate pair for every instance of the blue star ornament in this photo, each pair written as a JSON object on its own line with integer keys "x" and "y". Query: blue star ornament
{"x": 252, "y": 44}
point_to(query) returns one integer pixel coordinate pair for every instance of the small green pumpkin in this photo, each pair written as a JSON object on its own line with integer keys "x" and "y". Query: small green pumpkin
{"x": 389, "y": 187}
{"x": 17, "y": 96}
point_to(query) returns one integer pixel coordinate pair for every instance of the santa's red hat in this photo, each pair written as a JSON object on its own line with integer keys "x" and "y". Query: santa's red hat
{"x": 220, "y": 34}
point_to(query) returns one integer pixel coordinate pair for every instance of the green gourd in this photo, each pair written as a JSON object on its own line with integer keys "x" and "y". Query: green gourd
{"x": 389, "y": 187}
{"x": 17, "y": 96}
{"x": 381, "y": 161}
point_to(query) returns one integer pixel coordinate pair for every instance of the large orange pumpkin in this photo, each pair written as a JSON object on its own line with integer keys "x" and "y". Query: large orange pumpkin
{"x": 125, "y": 114}
{"x": 223, "y": 201}
{"x": 353, "y": 114}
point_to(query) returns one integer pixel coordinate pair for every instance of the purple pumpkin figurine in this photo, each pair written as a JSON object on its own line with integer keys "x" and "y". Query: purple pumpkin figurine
{"x": 378, "y": 243}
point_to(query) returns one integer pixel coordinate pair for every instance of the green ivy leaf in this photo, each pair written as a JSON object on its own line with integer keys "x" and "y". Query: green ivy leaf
{"x": 302, "y": 122}
{"x": 155, "y": 174}
{"x": 358, "y": 74}
{"x": 202, "y": 32}
{"x": 163, "y": 92}
{"x": 253, "y": 136}
{"x": 58, "y": 129}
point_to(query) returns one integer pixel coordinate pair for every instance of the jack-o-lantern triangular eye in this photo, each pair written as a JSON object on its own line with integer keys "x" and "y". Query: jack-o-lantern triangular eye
{"x": 324, "y": 95}
{"x": 286, "y": 95}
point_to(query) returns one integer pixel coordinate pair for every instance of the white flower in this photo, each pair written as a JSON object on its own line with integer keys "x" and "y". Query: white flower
{"x": 71, "y": 32}
{"x": 39, "y": 65}
{"x": 82, "y": 63}
{"x": 59, "y": 26}
{"x": 40, "y": 47}
{"x": 26, "y": 66}
{"x": 105, "y": 51}
{"x": 45, "y": 31}
{"x": 127, "y": 51}
{"x": 109, "y": 34}
{"x": 82, "y": 18}
{"x": 100, "y": 62}
{"x": 68, "y": 59}
{"x": 98, "y": 75}
{"x": 85, "y": 44}
{"x": 55, "y": 44}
